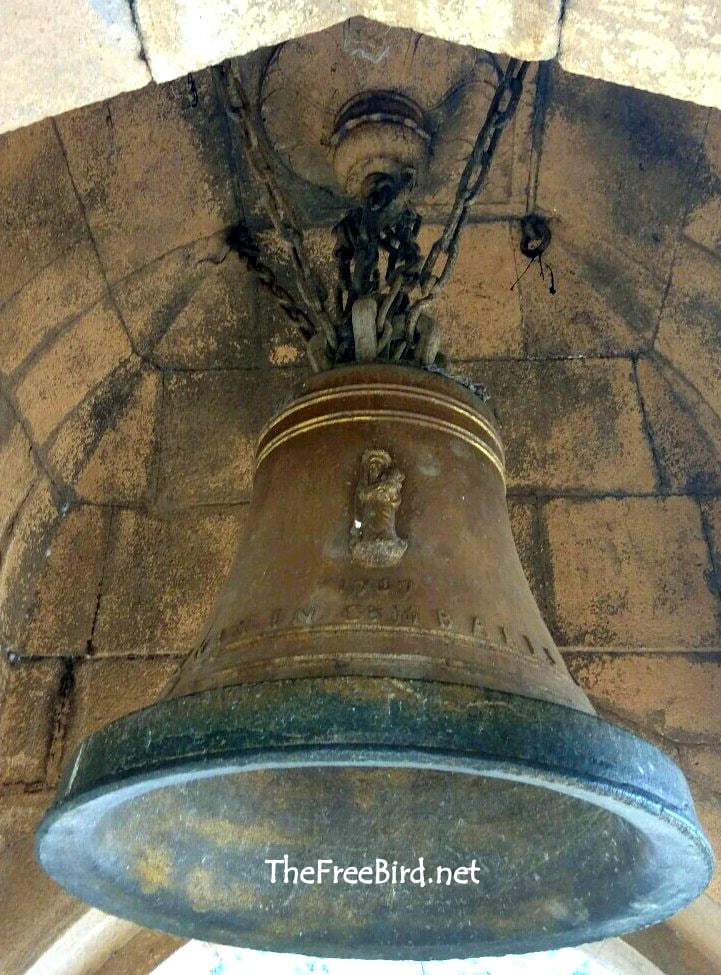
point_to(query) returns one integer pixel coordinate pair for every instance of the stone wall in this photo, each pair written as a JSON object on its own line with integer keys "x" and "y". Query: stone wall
{"x": 138, "y": 360}
{"x": 96, "y": 50}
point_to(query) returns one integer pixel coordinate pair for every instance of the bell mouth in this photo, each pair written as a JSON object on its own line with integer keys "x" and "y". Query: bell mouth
{"x": 521, "y": 825}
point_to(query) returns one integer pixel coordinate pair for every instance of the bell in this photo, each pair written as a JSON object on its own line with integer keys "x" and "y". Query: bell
{"x": 377, "y": 752}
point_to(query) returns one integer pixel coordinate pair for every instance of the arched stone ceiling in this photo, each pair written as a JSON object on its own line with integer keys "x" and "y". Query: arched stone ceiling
{"x": 138, "y": 360}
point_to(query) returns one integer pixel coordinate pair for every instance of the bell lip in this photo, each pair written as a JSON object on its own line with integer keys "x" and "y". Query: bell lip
{"x": 664, "y": 807}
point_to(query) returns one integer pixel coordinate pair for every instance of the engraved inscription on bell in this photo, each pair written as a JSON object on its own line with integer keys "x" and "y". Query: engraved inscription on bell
{"x": 374, "y": 542}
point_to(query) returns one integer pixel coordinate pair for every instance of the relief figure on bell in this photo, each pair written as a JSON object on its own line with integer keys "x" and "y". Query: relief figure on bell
{"x": 373, "y": 538}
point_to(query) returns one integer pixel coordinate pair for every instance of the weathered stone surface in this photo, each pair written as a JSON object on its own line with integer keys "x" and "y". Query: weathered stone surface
{"x": 711, "y": 511}
{"x": 689, "y": 341}
{"x": 666, "y": 47}
{"x": 67, "y": 584}
{"x": 570, "y": 425}
{"x": 703, "y": 224}
{"x": 106, "y": 449}
{"x": 35, "y": 910}
{"x": 686, "y": 440}
{"x": 109, "y": 689}
{"x": 162, "y": 578}
{"x": 617, "y": 164}
{"x": 120, "y": 467}
{"x": 41, "y": 214}
{"x": 152, "y": 172}
{"x": 671, "y": 695}
{"x": 310, "y": 80}
{"x": 601, "y": 305}
{"x": 633, "y": 573}
{"x": 194, "y": 308}
{"x": 180, "y": 39}
{"x": 17, "y": 465}
{"x": 210, "y": 424}
{"x": 526, "y": 534}
{"x": 478, "y": 313}
{"x": 93, "y": 52}
{"x": 49, "y": 302}
{"x": 22, "y": 558}
{"x": 77, "y": 360}
{"x": 28, "y": 699}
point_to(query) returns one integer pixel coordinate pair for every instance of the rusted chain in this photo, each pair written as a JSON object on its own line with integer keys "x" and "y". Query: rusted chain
{"x": 386, "y": 224}
{"x": 245, "y": 245}
{"x": 280, "y": 211}
{"x": 500, "y": 112}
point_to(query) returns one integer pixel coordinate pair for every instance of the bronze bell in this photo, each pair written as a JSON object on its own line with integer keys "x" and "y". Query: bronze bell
{"x": 377, "y": 752}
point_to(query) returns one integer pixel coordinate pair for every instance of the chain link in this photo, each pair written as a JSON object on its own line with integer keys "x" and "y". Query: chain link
{"x": 246, "y": 246}
{"x": 385, "y": 225}
{"x": 500, "y": 112}
{"x": 310, "y": 287}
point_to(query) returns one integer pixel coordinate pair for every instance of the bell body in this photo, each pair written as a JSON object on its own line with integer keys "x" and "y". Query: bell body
{"x": 380, "y": 544}
{"x": 377, "y": 751}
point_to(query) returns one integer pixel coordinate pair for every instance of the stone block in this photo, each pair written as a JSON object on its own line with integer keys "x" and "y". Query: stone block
{"x": 109, "y": 689}
{"x": 23, "y": 556}
{"x": 478, "y": 313}
{"x": 36, "y": 910}
{"x": 195, "y": 308}
{"x": 687, "y": 442}
{"x": 702, "y": 764}
{"x": 57, "y": 294}
{"x": 66, "y": 584}
{"x": 77, "y": 360}
{"x": 703, "y": 224}
{"x": 29, "y": 693}
{"x": 711, "y": 511}
{"x": 178, "y": 39}
{"x": 152, "y": 171}
{"x": 107, "y": 448}
{"x": 93, "y": 52}
{"x": 526, "y": 534}
{"x": 19, "y": 471}
{"x": 601, "y": 305}
{"x": 162, "y": 578}
{"x": 631, "y": 573}
{"x": 665, "y": 47}
{"x": 689, "y": 340}
{"x": 672, "y": 696}
{"x": 41, "y": 214}
{"x": 573, "y": 425}
{"x": 617, "y": 164}
{"x": 209, "y": 428}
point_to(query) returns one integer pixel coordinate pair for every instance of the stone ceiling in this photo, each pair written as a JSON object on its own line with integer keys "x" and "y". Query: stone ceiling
{"x": 138, "y": 360}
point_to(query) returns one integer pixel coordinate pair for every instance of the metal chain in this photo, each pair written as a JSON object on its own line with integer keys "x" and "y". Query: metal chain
{"x": 500, "y": 112}
{"x": 280, "y": 212}
{"x": 246, "y": 246}
{"x": 385, "y": 223}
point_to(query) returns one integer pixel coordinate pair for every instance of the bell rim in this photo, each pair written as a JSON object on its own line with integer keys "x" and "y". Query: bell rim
{"x": 665, "y": 809}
